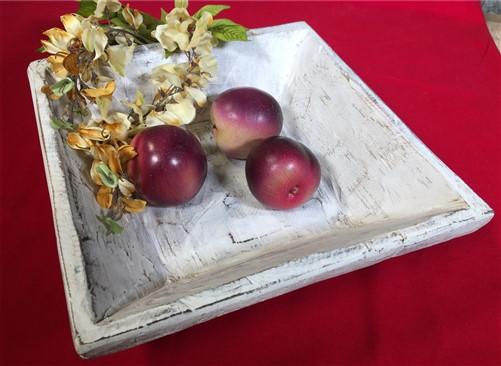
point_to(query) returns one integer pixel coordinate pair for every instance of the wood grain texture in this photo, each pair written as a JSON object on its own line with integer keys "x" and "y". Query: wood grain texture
{"x": 383, "y": 193}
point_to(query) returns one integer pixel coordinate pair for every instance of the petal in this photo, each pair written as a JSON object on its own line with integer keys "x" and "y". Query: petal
{"x": 72, "y": 24}
{"x": 94, "y": 39}
{"x": 114, "y": 5}
{"x": 204, "y": 46}
{"x": 93, "y": 174}
{"x": 119, "y": 56}
{"x": 98, "y": 154}
{"x": 133, "y": 205}
{"x": 181, "y": 38}
{"x": 94, "y": 133}
{"x": 127, "y": 14}
{"x": 185, "y": 24}
{"x": 118, "y": 118}
{"x": 125, "y": 153}
{"x": 165, "y": 41}
{"x": 208, "y": 65}
{"x": 107, "y": 154}
{"x": 177, "y": 15}
{"x": 117, "y": 130}
{"x": 200, "y": 29}
{"x": 50, "y": 48}
{"x": 100, "y": 42}
{"x": 100, "y": 6}
{"x": 104, "y": 197}
{"x": 132, "y": 16}
{"x": 104, "y": 104}
{"x": 139, "y": 98}
{"x": 56, "y": 62}
{"x": 126, "y": 187}
{"x": 166, "y": 75}
{"x": 161, "y": 118}
{"x": 77, "y": 142}
{"x": 59, "y": 38}
{"x": 183, "y": 4}
{"x": 184, "y": 111}
{"x": 113, "y": 161}
{"x": 198, "y": 96}
{"x": 106, "y": 90}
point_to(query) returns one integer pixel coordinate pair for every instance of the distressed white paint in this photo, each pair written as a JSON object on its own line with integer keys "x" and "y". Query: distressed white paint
{"x": 383, "y": 193}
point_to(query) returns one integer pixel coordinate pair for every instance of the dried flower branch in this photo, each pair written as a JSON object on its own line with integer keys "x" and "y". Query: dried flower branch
{"x": 103, "y": 34}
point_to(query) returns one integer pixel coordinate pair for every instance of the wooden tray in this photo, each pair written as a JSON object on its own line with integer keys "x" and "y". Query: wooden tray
{"x": 383, "y": 194}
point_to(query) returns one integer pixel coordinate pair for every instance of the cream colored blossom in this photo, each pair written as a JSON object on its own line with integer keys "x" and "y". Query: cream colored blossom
{"x": 102, "y": 96}
{"x": 175, "y": 114}
{"x": 132, "y": 16}
{"x": 94, "y": 38}
{"x": 56, "y": 62}
{"x": 174, "y": 33}
{"x": 77, "y": 142}
{"x": 138, "y": 106}
{"x": 112, "y": 6}
{"x": 208, "y": 66}
{"x": 126, "y": 187}
{"x": 201, "y": 30}
{"x": 117, "y": 124}
{"x": 165, "y": 76}
{"x": 58, "y": 41}
{"x": 106, "y": 90}
{"x": 197, "y": 95}
{"x": 134, "y": 205}
{"x": 104, "y": 197}
{"x": 73, "y": 24}
{"x": 119, "y": 57}
{"x": 125, "y": 153}
{"x": 94, "y": 133}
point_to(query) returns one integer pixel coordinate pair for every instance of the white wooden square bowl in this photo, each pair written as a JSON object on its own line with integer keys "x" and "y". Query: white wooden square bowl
{"x": 383, "y": 193}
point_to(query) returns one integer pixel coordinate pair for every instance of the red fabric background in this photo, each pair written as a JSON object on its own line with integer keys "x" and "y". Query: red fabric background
{"x": 435, "y": 65}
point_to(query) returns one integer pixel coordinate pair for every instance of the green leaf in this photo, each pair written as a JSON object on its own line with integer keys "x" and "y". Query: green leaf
{"x": 84, "y": 112}
{"x": 181, "y": 3}
{"x": 230, "y": 33}
{"x": 150, "y": 21}
{"x": 213, "y": 9}
{"x": 108, "y": 178}
{"x": 145, "y": 32}
{"x": 224, "y": 22}
{"x": 226, "y": 30}
{"x": 87, "y": 8}
{"x": 41, "y": 49}
{"x": 62, "y": 86}
{"x": 111, "y": 225}
{"x": 163, "y": 15}
{"x": 168, "y": 53}
{"x": 58, "y": 123}
{"x": 119, "y": 22}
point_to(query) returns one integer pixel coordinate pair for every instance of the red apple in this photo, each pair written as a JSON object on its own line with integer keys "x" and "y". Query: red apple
{"x": 170, "y": 166}
{"x": 242, "y": 118}
{"x": 282, "y": 173}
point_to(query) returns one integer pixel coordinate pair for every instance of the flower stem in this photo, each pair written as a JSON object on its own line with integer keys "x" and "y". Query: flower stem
{"x": 139, "y": 38}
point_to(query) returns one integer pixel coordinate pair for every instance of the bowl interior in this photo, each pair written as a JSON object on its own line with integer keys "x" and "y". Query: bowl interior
{"x": 373, "y": 182}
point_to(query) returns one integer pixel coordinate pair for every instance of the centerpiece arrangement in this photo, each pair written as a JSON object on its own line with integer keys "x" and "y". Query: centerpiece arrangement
{"x": 139, "y": 154}
{"x": 117, "y": 150}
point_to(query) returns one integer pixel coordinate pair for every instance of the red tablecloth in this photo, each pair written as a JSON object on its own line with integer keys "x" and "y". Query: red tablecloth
{"x": 435, "y": 65}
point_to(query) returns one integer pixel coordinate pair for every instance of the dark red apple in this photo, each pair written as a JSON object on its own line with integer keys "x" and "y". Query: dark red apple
{"x": 170, "y": 166}
{"x": 282, "y": 173}
{"x": 242, "y": 118}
